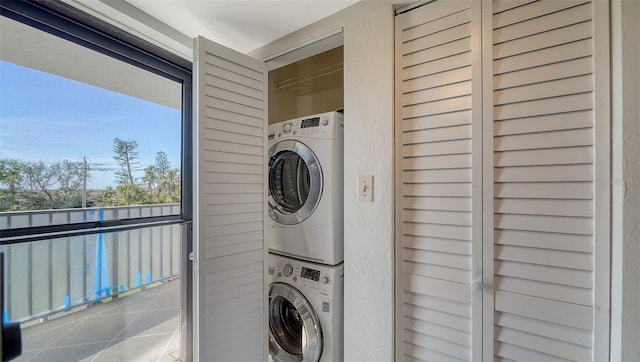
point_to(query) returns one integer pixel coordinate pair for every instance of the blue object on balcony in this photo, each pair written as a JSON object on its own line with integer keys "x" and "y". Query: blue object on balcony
{"x": 67, "y": 302}
{"x": 102, "y": 271}
{"x": 5, "y": 317}
{"x": 139, "y": 279}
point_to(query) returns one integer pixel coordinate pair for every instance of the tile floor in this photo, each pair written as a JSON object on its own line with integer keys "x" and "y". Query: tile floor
{"x": 139, "y": 327}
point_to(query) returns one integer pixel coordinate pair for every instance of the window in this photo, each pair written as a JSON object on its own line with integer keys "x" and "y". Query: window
{"x": 68, "y": 144}
{"x": 94, "y": 186}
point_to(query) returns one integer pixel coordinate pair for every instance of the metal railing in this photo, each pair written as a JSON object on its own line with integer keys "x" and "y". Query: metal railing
{"x": 49, "y": 276}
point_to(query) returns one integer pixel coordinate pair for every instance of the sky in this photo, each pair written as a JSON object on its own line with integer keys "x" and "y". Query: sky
{"x": 48, "y": 118}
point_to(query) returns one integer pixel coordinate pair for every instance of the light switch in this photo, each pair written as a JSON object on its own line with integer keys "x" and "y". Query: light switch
{"x": 365, "y": 188}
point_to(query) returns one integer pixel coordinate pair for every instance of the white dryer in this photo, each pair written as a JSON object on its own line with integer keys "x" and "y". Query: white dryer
{"x": 305, "y": 311}
{"x": 306, "y": 188}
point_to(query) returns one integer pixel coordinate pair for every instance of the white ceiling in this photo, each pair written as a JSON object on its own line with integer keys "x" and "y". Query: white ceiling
{"x": 243, "y": 25}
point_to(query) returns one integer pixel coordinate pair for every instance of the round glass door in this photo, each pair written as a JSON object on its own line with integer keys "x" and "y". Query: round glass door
{"x": 295, "y": 182}
{"x": 294, "y": 329}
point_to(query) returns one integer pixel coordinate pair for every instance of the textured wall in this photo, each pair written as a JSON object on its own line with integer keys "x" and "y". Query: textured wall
{"x": 369, "y": 151}
{"x": 625, "y": 322}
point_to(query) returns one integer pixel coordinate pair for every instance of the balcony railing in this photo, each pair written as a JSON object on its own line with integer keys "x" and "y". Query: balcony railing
{"x": 49, "y": 276}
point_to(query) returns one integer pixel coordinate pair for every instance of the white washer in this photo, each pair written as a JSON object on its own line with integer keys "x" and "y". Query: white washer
{"x": 306, "y": 188}
{"x": 305, "y": 310}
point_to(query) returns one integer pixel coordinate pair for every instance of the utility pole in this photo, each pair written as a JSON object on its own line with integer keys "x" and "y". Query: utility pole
{"x": 84, "y": 181}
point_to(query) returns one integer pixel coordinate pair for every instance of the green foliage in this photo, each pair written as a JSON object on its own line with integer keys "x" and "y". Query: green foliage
{"x": 39, "y": 186}
{"x": 10, "y": 177}
{"x": 124, "y": 195}
{"x": 162, "y": 181}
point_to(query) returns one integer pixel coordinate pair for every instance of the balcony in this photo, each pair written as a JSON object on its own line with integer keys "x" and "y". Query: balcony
{"x": 104, "y": 297}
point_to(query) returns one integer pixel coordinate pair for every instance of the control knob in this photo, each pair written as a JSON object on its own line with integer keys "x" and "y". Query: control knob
{"x": 287, "y": 270}
{"x": 325, "y": 279}
{"x": 287, "y": 127}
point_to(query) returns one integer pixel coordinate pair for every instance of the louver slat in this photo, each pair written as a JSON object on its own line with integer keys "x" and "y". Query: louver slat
{"x": 544, "y": 181}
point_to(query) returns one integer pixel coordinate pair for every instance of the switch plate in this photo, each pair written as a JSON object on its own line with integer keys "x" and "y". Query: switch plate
{"x": 365, "y": 188}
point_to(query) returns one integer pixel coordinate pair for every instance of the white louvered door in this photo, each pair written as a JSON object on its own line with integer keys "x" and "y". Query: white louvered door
{"x": 438, "y": 141}
{"x": 230, "y": 195}
{"x": 546, "y": 208}
{"x": 511, "y": 190}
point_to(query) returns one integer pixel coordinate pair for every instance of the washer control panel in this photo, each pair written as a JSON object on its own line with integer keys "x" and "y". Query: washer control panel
{"x": 306, "y": 277}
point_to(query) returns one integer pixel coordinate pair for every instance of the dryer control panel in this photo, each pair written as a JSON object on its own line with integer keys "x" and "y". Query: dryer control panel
{"x": 319, "y": 125}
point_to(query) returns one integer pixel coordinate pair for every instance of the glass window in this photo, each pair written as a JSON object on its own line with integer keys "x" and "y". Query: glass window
{"x": 80, "y": 129}
{"x": 93, "y": 169}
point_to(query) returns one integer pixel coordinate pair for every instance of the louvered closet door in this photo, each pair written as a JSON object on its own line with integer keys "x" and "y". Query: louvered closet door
{"x": 230, "y": 195}
{"x": 539, "y": 154}
{"x": 438, "y": 202}
{"x": 545, "y": 198}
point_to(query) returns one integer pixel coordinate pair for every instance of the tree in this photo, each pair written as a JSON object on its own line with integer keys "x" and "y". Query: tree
{"x": 162, "y": 181}
{"x": 70, "y": 177}
{"x": 171, "y": 187}
{"x": 39, "y": 180}
{"x": 11, "y": 176}
{"x": 126, "y": 156}
{"x": 53, "y": 186}
{"x": 150, "y": 178}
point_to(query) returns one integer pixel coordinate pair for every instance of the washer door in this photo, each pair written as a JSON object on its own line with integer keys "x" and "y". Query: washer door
{"x": 295, "y": 182}
{"x": 295, "y": 333}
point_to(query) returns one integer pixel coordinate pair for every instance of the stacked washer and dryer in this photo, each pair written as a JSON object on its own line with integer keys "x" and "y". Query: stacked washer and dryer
{"x": 305, "y": 237}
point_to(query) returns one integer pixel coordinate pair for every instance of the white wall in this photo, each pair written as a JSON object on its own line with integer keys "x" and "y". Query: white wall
{"x": 368, "y": 131}
{"x": 625, "y": 285}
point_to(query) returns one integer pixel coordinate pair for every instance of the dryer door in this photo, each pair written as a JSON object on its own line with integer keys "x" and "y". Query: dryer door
{"x": 295, "y": 182}
{"x": 295, "y": 333}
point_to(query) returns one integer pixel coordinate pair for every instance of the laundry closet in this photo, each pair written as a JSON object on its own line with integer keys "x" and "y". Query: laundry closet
{"x": 366, "y": 33}
{"x": 305, "y": 228}
{"x": 230, "y": 190}
{"x": 270, "y": 183}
